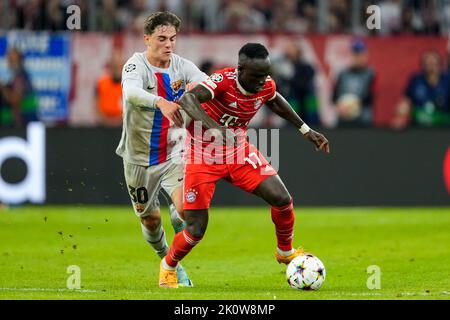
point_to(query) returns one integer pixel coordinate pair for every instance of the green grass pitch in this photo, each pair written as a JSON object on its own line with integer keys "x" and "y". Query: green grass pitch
{"x": 235, "y": 260}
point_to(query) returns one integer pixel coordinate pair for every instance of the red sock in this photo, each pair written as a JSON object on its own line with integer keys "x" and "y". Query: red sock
{"x": 283, "y": 218}
{"x": 182, "y": 244}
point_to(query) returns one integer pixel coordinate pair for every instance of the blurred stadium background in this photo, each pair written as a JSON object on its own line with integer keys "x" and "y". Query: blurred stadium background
{"x": 382, "y": 97}
{"x": 386, "y": 156}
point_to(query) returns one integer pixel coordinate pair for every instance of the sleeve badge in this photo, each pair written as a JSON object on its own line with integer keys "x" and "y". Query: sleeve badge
{"x": 216, "y": 77}
{"x": 130, "y": 67}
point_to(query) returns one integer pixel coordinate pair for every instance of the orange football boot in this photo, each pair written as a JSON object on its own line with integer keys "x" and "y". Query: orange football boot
{"x": 286, "y": 260}
{"x": 167, "y": 278}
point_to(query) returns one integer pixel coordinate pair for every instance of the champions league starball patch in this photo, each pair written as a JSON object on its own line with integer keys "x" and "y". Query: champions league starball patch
{"x": 216, "y": 77}
{"x": 130, "y": 67}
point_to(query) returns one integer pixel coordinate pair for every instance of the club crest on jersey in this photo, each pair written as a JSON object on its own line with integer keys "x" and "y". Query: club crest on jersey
{"x": 258, "y": 103}
{"x": 191, "y": 195}
{"x": 176, "y": 85}
{"x": 130, "y": 67}
{"x": 216, "y": 77}
{"x": 139, "y": 207}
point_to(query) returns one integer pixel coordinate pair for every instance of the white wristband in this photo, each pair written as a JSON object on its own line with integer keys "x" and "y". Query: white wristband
{"x": 304, "y": 128}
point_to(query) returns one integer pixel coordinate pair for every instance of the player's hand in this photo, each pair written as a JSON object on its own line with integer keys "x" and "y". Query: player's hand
{"x": 319, "y": 140}
{"x": 171, "y": 111}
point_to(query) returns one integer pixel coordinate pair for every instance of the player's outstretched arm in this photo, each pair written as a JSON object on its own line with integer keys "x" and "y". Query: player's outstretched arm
{"x": 281, "y": 107}
{"x": 136, "y": 96}
{"x": 191, "y": 101}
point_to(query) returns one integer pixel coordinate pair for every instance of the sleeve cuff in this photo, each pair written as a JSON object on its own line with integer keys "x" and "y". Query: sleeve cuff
{"x": 273, "y": 97}
{"x": 210, "y": 90}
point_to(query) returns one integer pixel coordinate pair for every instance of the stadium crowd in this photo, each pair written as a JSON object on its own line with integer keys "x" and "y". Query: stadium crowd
{"x": 425, "y": 99}
{"x": 334, "y": 16}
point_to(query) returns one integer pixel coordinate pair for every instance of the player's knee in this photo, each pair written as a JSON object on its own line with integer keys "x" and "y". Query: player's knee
{"x": 151, "y": 222}
{"x": 177, "y": 199}
{"x": 180, "y": 210}
{"x": 282, "y": 199}
{"x": 197, "y": 230}
{"x": 196, "y": 227}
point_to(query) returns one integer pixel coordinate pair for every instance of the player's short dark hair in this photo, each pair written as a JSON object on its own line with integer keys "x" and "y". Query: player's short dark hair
{"x": 254, "y": 50}
{"x": 161, "y": 18}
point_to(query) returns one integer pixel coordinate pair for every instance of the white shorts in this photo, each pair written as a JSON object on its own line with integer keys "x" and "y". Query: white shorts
{"x": 144, "y": 184}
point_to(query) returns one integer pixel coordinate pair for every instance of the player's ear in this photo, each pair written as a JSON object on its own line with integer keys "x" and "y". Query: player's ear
{"x": 146, "y": 38}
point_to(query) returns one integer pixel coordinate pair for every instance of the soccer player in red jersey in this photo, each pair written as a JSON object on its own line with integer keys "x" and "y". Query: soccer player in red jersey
{"x": 231, "y": 97}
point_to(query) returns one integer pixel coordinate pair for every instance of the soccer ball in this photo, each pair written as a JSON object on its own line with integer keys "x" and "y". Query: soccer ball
{"x": 306, "y": 272}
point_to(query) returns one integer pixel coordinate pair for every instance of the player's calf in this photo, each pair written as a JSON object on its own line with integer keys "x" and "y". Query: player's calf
{"x": 155, "y": 235}
{"x": 183, "y": 243}
{"x": 178, "y": 224}
{"x": 283, "y": 217}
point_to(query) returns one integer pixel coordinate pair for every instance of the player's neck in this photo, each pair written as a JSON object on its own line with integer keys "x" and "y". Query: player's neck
{"x": 157, "y": 62}
{"x": 242, "y": 89}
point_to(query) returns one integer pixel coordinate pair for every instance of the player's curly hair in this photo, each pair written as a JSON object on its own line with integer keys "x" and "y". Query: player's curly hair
{"x": 254, "y": 50}
{"x": 161, "y": 18}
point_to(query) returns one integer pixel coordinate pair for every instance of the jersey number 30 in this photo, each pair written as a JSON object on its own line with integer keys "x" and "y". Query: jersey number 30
{"x": 139, "y": 195}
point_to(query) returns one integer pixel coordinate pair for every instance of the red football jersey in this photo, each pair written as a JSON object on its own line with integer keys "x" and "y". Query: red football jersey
{"x": 231, "y": 105}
